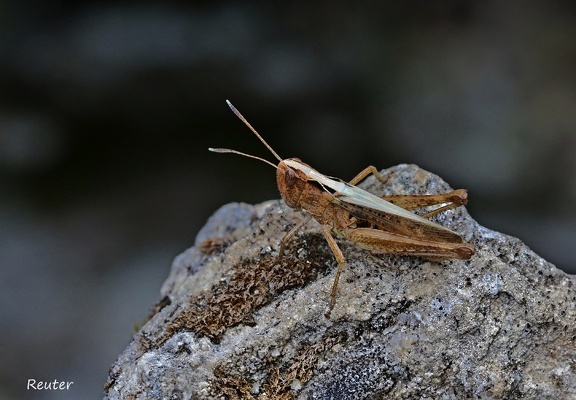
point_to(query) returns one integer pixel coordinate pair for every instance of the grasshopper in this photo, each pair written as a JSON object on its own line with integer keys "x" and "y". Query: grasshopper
{"x": 384, "y": 224}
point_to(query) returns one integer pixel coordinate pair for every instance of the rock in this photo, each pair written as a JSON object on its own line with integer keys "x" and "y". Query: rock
{"x": 237, "y": 322}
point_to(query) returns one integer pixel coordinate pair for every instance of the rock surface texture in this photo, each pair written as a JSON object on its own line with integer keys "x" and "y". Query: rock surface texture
{"x": 237, "y": 322}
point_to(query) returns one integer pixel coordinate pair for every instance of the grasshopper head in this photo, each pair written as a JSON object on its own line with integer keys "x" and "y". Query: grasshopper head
{"x": 291, "y": 181}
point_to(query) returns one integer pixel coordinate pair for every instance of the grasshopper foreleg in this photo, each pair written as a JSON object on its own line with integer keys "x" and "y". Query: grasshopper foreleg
{"x": 291, "y": 234}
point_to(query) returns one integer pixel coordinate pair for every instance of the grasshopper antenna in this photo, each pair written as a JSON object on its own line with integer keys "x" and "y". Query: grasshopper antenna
{"x": 235, "y": 111}
{"x": 218, "y": 150}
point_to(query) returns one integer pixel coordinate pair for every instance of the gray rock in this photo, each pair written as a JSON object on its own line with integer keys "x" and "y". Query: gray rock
{"x": 237, "y": 322}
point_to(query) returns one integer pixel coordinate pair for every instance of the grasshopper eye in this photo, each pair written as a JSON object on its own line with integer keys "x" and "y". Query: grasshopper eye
{"x": 290, "y": 177}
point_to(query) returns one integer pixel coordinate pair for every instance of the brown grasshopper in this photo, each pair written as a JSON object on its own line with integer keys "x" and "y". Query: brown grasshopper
{"x": 382, "y": 224}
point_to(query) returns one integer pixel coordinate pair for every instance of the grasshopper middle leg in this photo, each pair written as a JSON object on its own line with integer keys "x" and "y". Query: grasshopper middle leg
{"x": 341, "y": 261}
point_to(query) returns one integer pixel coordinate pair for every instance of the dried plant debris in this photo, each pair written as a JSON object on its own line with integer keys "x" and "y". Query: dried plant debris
{"x": 237, "y": 322}
{"x": 250, "y": 285}
{"x": 214, "y": 245}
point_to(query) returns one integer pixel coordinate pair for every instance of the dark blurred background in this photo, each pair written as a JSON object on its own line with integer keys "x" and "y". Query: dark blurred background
{"x": 107, "y": 111}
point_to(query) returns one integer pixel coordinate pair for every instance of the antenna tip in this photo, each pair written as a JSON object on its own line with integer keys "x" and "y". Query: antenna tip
{"x": 220, "y": 150}
{"x": 230, "y": 105}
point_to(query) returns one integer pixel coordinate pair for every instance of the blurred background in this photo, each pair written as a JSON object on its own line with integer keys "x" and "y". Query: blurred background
{"x": 107, "y": 111}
